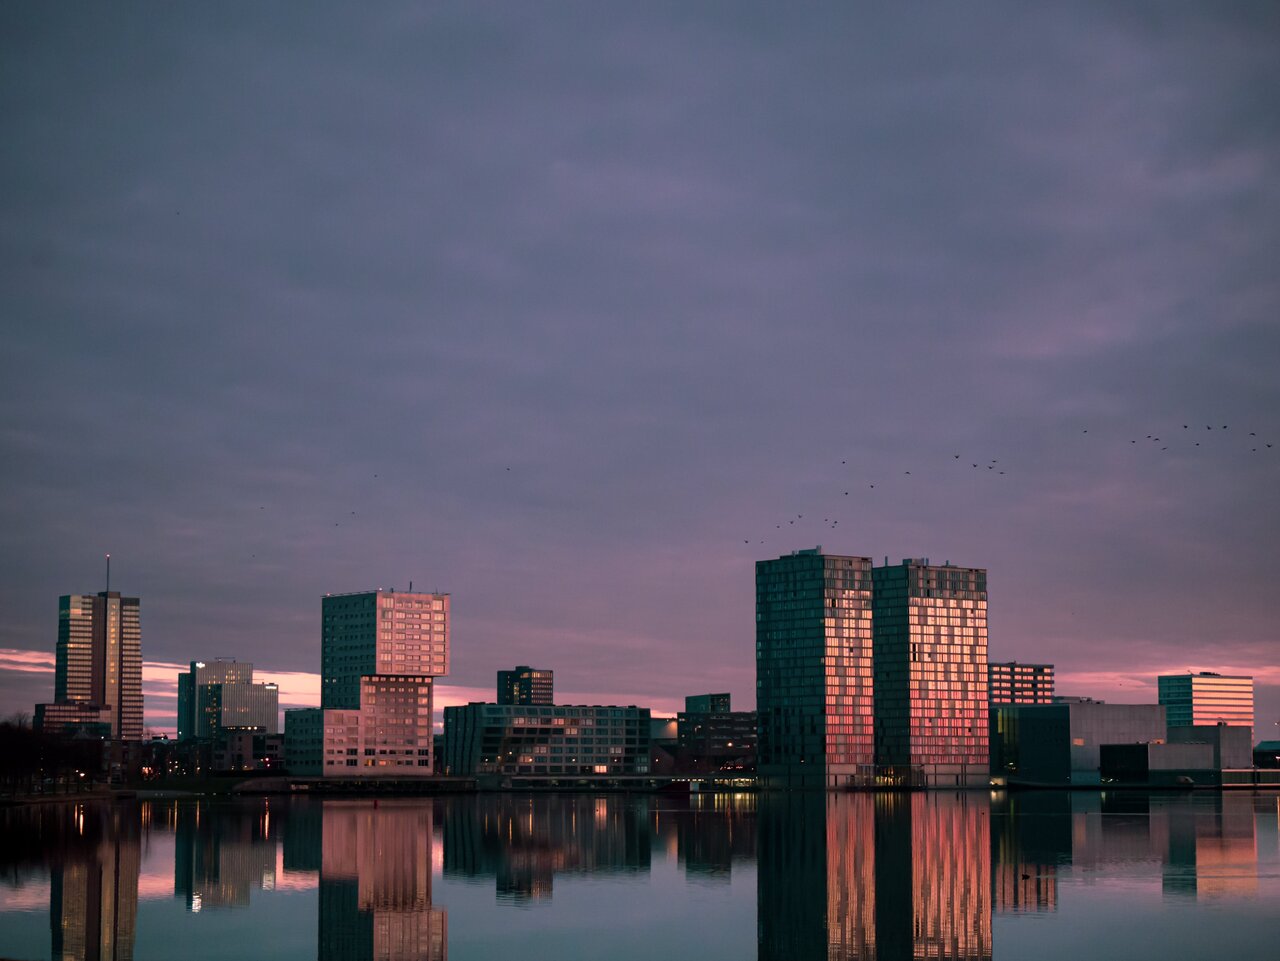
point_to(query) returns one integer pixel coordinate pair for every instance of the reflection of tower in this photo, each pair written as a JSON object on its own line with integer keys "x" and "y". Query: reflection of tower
{"x": 221, "y": 855}
{"x": 792, "y": 876}
{"x": 951, "y": 910}
{"x": 1030, "y": 836}
{"x": 375, "y": 883}
{"x": 93, "y": 904}
{"x": 1212, "y": 847}
{"x": 899, "y": 875}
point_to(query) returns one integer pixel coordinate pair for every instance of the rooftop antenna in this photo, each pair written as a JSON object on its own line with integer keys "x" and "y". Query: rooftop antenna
{"x": 108, "y": 573}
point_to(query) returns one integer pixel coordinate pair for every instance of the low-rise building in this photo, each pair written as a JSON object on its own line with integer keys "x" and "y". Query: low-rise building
{"x": 304, "y": 741}
{"x": 1061, "y": 743}
{"x": 1266, "y": 754}
{"x": 73, "y": 718}
{"x": 577, "y": 740}
{"x": 1158, "y": 765}
{"x": 247, "y": 749}
{"x": 1230, "y": 743}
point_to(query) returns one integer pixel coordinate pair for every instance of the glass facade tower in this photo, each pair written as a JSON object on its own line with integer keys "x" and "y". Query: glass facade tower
{"x": 931, "y": 674}
{"x": 814, "y": 668}
{"x": 1206, "y": 699}
{"x": 380, "y": 652}
{"x": 525, "y": 685}
{"x": 98, "y": 661}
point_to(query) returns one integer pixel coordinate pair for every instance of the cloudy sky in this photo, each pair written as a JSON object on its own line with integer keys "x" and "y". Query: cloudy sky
{"x": 574, "y": 310}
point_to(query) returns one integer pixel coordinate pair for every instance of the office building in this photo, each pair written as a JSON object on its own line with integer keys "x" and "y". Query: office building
{"x": 563, "y": 739}
{"x": 814, "y": 673}
{"x": 525, "y": 685}
{"x": 98, "y": 666}
{"x": 220, "y": 694}
{"x": 1009, "y": 682}
{"x": 1206, "y": 698}
{"x": 930, "y": 657}
{"x": 711, "y": 737}
{"x": 380, "y": 653}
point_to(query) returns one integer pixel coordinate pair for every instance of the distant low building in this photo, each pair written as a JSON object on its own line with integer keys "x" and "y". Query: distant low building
{"x": 1230, "y": 744}
{"x": 247, "y": 749}
{"x": 570, "y": 740}
{"x": 1158, "y": 764}
{"x": 73, "y": 718}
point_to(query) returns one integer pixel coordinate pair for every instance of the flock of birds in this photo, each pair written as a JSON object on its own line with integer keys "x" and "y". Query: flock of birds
{"x": 997, "y": 469}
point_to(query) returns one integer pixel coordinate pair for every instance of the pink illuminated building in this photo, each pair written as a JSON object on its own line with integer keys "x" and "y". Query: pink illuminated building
{"x": 380, "y": 653}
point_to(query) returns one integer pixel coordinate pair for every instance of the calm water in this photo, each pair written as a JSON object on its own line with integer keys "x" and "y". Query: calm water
{"x": 803, "y": 876}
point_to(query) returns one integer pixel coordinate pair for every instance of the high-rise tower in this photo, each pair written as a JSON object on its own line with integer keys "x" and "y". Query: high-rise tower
{"x": 379, "y": 653}
{"x": 814, "y": 669}
{"x": 98, "y": 666}
{"x": 931, "y": 673}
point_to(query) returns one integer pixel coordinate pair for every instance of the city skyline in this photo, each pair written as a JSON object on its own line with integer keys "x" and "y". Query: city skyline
{"x": 578, "y": 314}
{"x": 298, "y": 689}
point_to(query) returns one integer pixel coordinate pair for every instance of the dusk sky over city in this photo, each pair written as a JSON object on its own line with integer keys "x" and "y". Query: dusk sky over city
{"x": 576, "y": 311}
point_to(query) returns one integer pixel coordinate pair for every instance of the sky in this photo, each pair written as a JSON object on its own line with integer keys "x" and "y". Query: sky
{"x": 576, "y": 311}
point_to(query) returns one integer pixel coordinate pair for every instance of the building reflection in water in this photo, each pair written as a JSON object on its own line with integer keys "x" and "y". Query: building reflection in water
{"x": 523, "y": 841}
{"x": 93, "y": 900}
{"x": 375, "y": 882}
{"x": 707, "y": 832}
{"x": 222, "y": 852}
{"x": 886, "y": 875}
{"x": 1030, "y": 839}
{"x": 92, "y": 855}
{"x": 1211, "y": 850}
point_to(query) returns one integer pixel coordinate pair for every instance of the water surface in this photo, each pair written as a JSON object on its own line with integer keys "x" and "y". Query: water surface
{"x": 795, "y": 876}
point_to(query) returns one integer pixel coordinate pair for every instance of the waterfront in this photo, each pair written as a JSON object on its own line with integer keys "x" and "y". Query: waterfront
{"x": 804, "y": 875}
